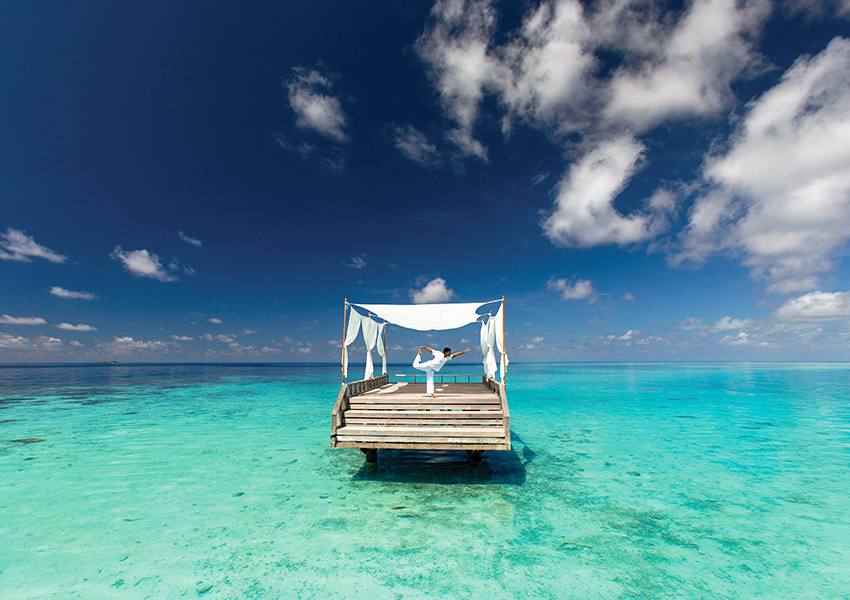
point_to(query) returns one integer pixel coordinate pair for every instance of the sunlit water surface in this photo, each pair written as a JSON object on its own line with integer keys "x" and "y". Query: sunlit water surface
{"x": 625, "y": 481}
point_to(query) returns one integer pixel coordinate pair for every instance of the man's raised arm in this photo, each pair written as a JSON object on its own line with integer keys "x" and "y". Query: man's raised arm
{"x": 456, "y": 354}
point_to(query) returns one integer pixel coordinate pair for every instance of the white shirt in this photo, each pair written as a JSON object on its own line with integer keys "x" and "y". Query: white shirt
{"x": 438, "y": 361}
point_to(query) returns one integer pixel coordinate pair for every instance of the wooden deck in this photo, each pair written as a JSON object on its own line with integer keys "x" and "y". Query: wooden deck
{"x": 470, "y": 413}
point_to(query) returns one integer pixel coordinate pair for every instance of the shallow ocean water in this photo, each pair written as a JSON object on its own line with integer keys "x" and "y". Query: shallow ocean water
{"x": 647, "y": 480}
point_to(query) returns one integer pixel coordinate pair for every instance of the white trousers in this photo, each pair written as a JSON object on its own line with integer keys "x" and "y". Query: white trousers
{"x": 429, "y": 382}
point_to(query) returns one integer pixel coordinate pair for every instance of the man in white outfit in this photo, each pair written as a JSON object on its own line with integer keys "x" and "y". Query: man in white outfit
{"x": 433, "y": 365}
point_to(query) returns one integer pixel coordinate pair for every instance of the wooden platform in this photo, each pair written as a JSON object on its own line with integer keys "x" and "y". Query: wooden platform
{"x": 470, "y": 414}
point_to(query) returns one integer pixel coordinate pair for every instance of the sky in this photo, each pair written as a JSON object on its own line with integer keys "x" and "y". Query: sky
{"x": 642, "y": 180}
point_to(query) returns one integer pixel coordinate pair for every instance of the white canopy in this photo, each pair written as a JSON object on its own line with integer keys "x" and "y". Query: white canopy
{"x": 426, "y": 317}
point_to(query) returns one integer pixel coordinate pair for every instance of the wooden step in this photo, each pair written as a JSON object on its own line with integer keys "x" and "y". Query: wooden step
{"x": 426, "y": 406}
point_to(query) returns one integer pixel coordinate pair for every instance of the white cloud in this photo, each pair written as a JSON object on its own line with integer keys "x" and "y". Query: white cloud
{"x": 728, "y": 323}
{"x": 79, "y": 327}
{"x": 818, "y": 8}
{"x": 780, "y": 195}
{"x": 628, "y": 335}
{"x": 17, "y": 245}
{"x": 580, "y": 290}
{"x": 189, "y": 239}
{"x": 182, "y": 338}
{"x": 435, "y": 290}
{"x": 9, "y": 320}
{"x": 214, "y": 320}
{"x": 584, "y": 212}
{"x": 690, "y": 70}
{"x": 142, "y": 263}
{"x": 742, "y": 339}
{"x": 61, "y": 292}
{"x": 13, "y": 342}
{"x": 455, "y": 48}
{"x": 543, "y": 75}
{"x": 207, "y": 337}
{"x": 76, "y": 344}
{"x": 816, "y": 307}
{"x": 414, "y": 145}
{"x": 126, "y": 345}
{"x": 357, "y": 262}
{"x": 227, "y": 339}
{"x": 628, "y": 297}
{"x": 175, "y": 265}
{"x": 305, "y": 350}
{"x": 39, "y": 344}
{"x": 315, "y": 108}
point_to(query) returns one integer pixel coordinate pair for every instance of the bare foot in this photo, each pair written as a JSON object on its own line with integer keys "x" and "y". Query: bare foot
{"x": 433, "y": 395}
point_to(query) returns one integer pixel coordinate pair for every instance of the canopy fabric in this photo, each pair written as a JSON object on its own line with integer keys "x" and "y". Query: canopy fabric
{"x": 354, "y": 322}
{"x": 490, "y": 359}
{"x": 500, "y": 341}
{"x": 426, "y": 317}
{"x": 370, "y": 336}
{"x": 382, "y": 348}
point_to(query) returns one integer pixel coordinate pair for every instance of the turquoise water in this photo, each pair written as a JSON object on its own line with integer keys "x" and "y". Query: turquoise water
{"x": 625, "y": 481}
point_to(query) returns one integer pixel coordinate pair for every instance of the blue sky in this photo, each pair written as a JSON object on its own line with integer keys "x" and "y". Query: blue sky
{"x": 642, "y": 180}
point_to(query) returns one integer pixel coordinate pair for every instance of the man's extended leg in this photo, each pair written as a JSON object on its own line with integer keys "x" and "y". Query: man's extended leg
{"x": 429, "y": 386}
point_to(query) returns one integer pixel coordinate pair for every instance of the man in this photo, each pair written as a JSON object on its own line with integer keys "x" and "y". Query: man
{"x": 433, "y": 365}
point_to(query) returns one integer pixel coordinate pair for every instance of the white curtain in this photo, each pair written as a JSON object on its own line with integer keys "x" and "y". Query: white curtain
{"x": 500, "y": 341}
{"x": 354, "y": 320}
{"x": 490, "y": 363}
{"x": 382, "y": 350}
{"x": 483, "y": 342}
{"x": 370, "y": 336}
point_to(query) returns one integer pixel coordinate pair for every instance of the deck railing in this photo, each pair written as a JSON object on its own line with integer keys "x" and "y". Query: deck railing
{"x": 445, "y": 378}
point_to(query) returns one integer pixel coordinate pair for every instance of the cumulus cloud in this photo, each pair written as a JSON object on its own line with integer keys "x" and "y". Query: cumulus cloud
{"x": 780, "y": 194}
{"x": 816, "y": 307}
{"x": 413, "y": 144}
{"x": 728, "y": 323}
{"x": 17, "y": 245}
{"x": 61, "y": 292}
{"x": 41, "y": 343}
{"x": 578, "y": 290}
{"x": 128, "y": 345}
{"x": 742, "y": 339}
{"x": 142, "y": 263}
{"x": 818, "y": 8}
{"x": 189, "y": 240}
{"x": 76, "y": 344}
{"x": 214, "y": 320}
{"x": 13, "y": 342}
{"x": 672, "y": 65}
{"x": 434, "y": 291}
{"x": 688, "y": 72}
{"x": 315, "y": 107}
{"x": 78, "y": 327}
{"x": 357, "y": 262}
{"x": 584, "y": 212}
{"x": 9, "y": 320}
{"x": 455, "y": 47}
{"x": 182, "y": 338}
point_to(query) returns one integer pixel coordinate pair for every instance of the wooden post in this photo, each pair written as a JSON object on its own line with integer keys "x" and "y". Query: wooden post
{"x": 504, "y": 339}
{"x": 344, "y": 314}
